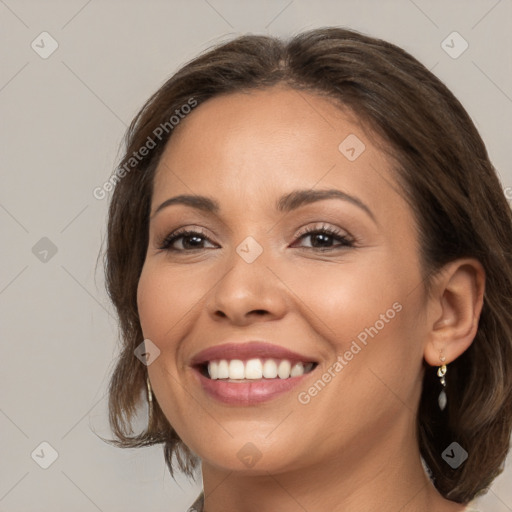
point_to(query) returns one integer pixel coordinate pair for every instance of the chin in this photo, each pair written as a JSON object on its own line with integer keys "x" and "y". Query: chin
{"x": 245, "y": 457}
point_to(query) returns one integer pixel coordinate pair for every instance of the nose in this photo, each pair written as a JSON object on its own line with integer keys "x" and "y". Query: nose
{"x": 247, "y": 293}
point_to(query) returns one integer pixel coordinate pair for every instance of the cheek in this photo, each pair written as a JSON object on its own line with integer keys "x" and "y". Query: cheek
{"x": 164, "y": 299}
{"x": 369, "y": 318}
{"x": 369, "y": 313}
{"x": 343, "y": 299}
{"x": 151, "y": 302}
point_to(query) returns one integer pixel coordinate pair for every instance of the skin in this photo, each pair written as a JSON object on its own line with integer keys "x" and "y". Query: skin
{"x": 353, "y": 446}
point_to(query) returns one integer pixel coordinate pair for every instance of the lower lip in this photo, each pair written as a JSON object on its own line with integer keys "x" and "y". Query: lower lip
{"x": 248, "y": 393}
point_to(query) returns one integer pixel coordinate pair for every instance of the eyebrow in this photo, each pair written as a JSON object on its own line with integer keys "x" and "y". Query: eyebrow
{"x": 285, "y": 203}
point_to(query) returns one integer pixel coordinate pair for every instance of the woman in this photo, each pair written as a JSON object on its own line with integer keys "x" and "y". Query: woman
{"x": 310, "y": 255}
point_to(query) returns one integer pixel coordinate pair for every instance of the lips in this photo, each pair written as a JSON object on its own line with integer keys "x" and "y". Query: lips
{"x": 248, "y": 392}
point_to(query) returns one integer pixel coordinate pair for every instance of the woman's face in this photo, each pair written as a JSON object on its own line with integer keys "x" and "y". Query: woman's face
{"x": 352, "y": 301}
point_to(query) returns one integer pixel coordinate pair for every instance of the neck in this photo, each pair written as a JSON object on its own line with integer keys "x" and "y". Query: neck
{"x": 386, "y": 475}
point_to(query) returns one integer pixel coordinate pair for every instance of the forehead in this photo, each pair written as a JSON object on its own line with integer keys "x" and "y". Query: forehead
{"x": 254, "y": 144}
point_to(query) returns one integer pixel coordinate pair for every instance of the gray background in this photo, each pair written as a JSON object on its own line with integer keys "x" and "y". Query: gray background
{"x": 63, "y": 118}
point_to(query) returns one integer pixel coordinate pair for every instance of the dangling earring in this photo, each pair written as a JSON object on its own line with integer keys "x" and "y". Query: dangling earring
{"x": 441, "y": 373}
{"x": 150, "y": 401}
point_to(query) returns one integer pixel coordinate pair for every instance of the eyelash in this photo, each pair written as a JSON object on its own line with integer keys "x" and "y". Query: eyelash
{"x": 346, "y": 242}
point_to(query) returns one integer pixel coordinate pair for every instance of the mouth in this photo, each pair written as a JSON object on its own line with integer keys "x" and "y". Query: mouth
{"x": 254, "y": 370}
{"x": 249, "y": 383}
{"x": 249, "y": 373}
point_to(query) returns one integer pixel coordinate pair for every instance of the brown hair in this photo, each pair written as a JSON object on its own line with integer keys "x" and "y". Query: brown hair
{"x": 454, "y": 192}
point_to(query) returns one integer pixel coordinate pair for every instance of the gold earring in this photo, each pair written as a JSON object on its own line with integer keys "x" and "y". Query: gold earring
{"x": 441, "y": 373}
{"x": 150, "y": 401}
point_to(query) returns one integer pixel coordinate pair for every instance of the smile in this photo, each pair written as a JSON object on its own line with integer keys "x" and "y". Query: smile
{"x": 236, "y": 370}
{"x": 249, "y": 372}
{"x": 251, "y": 382}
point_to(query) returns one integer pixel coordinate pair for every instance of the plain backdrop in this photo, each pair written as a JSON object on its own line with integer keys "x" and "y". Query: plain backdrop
{"x": 63, "y": 115}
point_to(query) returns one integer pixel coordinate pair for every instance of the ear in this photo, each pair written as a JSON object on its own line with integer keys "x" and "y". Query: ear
{"x": 454, "y": 308}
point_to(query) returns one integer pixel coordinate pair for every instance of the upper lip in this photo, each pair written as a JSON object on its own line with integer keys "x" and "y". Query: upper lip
{"x": 248, "y": 350}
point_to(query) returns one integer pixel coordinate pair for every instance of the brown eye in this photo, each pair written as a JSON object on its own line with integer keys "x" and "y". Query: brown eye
{"x": 190, "y": 240}
{"x": 322, "y": 238}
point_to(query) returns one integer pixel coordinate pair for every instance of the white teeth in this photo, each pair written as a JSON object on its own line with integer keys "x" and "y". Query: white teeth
{"x": 223, "y": 369}
{"x": 270, "y": 369}
{"x": 213, "y": 370}
{"x": 253, "y": 369}
{"x": 297, "y": 369}
{"x": 283, "y": 370}
{"x": 256, "y": 369}
{"x": 236, "y": 369}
